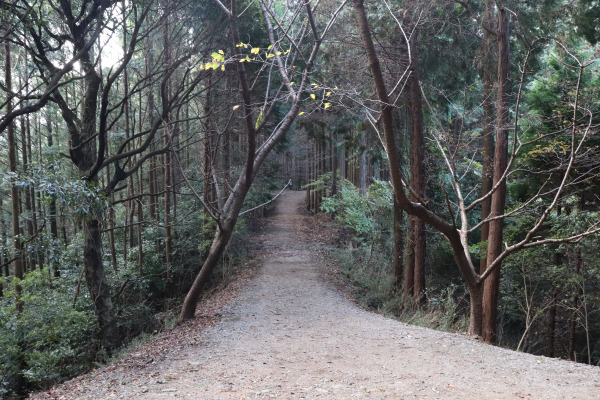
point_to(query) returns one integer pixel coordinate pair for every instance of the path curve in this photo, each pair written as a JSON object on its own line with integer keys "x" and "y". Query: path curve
{"x": 289, "y": 334}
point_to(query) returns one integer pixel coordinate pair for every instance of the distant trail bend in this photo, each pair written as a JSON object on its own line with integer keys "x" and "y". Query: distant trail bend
{"x": 289, "y": 334}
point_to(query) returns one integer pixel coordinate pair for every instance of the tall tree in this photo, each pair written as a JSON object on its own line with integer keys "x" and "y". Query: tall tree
{"x": 487, "y": 154}
{"x": 415, "y": 259}
{"x": 14, "y": 189}
{"x": 498, "y": 197}
{"x": 455, "y": 223}
{"x": 255, "y": 155}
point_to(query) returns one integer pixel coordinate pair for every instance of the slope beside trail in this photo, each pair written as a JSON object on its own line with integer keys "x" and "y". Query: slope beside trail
{"x": 289, "y": 334}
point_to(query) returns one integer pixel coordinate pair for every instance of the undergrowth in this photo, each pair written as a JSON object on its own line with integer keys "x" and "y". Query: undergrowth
{"x": 363, "y": 259}
{"x": 371, "y": 282}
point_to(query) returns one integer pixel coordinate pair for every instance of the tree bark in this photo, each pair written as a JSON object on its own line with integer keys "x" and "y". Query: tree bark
{"x": 363, "y": 162}
{"x": 409, "y": 271}
{"x": 14, "y": 190}
{"x": 18, "y": 268}
{"x": 571, "y": 353}
{"x": 97, "y": 285}
{"x": 167, "y": 174}
{"x": 551, "y": 327}
{"x": 495, "y": 242}
{"x": 334, "y": 166}
{"x": 85, "y": 153}
{"x": 488, "y": 128}
{"x": 417, "y": 175}
{"x": 398, "y": 244}
{"x": 52, "y": 216}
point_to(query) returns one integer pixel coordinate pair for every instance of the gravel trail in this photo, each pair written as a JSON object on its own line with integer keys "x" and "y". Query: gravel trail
{"x": 289, "y": 334}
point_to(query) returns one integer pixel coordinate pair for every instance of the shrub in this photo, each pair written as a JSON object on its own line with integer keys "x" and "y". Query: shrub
{"x": 49, "y": 340}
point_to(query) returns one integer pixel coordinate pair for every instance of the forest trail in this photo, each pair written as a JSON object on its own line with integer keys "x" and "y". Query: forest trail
{"x": 289, "y": 334}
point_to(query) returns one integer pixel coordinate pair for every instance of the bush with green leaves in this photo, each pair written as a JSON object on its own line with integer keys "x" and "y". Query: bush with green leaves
{"x": 49, "y": 340}
{"x": 367, "y": 218}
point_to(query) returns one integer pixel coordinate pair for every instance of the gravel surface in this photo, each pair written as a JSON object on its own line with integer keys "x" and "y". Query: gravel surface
{"x": 289, "y": 334}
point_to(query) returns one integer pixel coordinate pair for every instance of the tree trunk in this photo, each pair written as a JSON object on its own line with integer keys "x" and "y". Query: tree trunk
{"x": 152, "y": 198}
{"x": 30, "y": 259}
{"x": 551, "y": 328}
{"x": 52, "y": 216}
{"x": 16, "y": 213}
{"x": 3, "y": 256}
{"x": 140, "y": 226}
{"x": 97, "y": 285}
{"x": 417, "y": 176}
{"x": 409, "y": 269}
{"x": 111, "y": 234}
{"x": 571, "y": 354}
{"x": 221, "y": 239}
{"x": 487, "y": 153}
{"x": 167, "y": 214}
{"x": 398, "y": 243}
{"x": 167, "y": 182}
{"x": 363, "y": 162}
{"x": 334, "y": 165}
{"x": 342, "y": 162}
{"x": 84, "y": 153}
{"x": 14, "y": 190}
{"x": 492, "y": 283}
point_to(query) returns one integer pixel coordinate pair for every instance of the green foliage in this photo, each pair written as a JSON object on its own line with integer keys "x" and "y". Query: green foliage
{"x": 366, "y": 265}
{"x": 587, "y": 18}
{"x": 549, "y": 102}
{"x": 51, "y": 182}
{"x": 50, "y": 337}
{"x": 366, "y": 217}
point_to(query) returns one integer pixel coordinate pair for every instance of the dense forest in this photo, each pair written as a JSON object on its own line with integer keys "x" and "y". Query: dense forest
{"x": 454, "y": 142}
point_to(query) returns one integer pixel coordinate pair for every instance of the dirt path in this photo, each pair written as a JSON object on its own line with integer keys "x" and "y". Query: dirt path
{"x": 290, "y": 335}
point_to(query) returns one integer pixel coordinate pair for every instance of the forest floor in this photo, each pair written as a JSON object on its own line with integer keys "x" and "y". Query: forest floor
{"x": 286, "y": 332}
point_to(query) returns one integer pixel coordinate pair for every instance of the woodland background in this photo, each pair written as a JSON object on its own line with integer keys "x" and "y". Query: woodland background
{"x": 454, "y": 142}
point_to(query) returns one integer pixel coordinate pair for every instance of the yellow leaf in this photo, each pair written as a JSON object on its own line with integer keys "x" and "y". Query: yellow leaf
{"x": 223, "y": 67}
{"x": 335, "y": 88}
{"x": 312, "y": 96}
{"x": 287, "y": 51}
{"x": 270, "y": 55}
{"x": 328, "y": 94}
{"x": 221, "y": 52}
{"x": 278, "y": 53}
{"x": 202, "y": 67}
{"x": 242, "y": 60}
{"x": 255, "y": 50}
{"x": 291, "y": 83}
{"x": 236, "y": 107}
{"x": 327, "y": 105}
{"x": 301, "y": 113}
